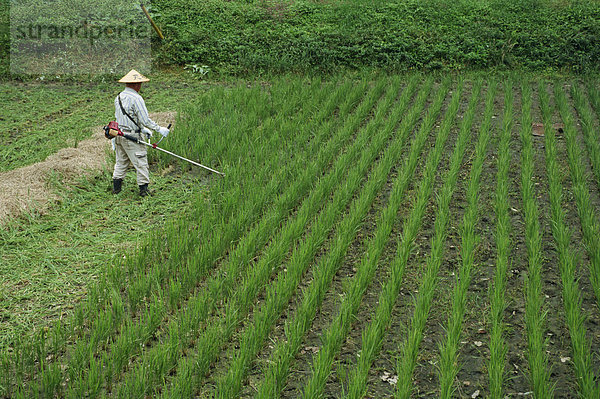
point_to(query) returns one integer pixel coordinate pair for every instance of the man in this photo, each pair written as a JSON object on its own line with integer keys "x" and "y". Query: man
{"x": 132, "y": 116}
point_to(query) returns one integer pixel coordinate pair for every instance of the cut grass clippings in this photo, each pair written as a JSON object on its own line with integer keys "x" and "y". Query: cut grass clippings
{"x": 48, "y": 261}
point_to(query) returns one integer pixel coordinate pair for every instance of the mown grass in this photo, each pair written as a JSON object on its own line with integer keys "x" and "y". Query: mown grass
{"x": 47, "y": 262}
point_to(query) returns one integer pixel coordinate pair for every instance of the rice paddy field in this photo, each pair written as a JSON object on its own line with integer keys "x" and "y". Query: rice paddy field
{"x": 374, "y": 236}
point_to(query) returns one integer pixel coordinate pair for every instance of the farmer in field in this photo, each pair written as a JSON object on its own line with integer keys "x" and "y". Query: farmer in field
{"x": 132, "y": 116}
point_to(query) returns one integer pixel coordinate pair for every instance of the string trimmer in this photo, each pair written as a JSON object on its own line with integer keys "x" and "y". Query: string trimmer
{"x": 112, "y": 130}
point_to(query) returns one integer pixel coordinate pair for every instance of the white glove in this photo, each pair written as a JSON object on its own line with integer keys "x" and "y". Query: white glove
{"x": 147, "y": 131}
{"x": 163, "y": 130}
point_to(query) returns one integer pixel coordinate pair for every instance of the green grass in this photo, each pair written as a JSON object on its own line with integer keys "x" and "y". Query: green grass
{"x": 37, "y": 120}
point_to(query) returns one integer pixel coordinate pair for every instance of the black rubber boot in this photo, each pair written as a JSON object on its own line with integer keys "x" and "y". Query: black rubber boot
{"x": 117, "y": 183}
{"x": 144, "y": 190}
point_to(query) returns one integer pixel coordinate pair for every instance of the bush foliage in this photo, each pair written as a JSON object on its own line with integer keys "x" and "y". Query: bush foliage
{"x": 283, "y": 35}
{"x": 4, "y": 38}
{"x": 399, "y": 35}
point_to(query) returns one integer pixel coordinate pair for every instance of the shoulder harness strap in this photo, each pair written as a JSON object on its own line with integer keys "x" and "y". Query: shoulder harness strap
{"x": 139, "y": 129}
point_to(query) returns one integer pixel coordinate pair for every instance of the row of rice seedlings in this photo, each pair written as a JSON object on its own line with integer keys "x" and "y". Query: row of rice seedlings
{"x": 410, "y": 347}
{"x": 239, "y": 258}
{"x": 240, "y": 301}
{"x": 284, "y": 351}
{"x": 590, "y": 136}
{"x": 373, "y": 334}
{"x": 568, "y": 259}
{"x": 587, "y": 216}
{"x": 449, "y": 364}
{"x": 279, "y": 293}
{"x": 498, "y": 346}
{"x": 238, "y": 210}
{"x": 593, "y": 145}
{"x": 335, "y": 334}
{"x": 593, "y": 94}
{"x": 534, "y": 303}
{"x": 85, "y": 347}
{"x": 222, "y": 285}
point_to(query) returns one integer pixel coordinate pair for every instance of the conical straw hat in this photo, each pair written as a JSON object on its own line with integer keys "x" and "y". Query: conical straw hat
{"x": 134, "y": 77}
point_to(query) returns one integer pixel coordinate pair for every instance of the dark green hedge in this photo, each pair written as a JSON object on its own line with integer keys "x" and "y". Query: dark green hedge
{"x": 283, "y": 35}
{"x": 4, "y": 38}
{"x": 398, "y": 35}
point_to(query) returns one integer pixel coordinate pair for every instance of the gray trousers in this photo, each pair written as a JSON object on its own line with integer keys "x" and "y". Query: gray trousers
{"x": 130, "y": 154}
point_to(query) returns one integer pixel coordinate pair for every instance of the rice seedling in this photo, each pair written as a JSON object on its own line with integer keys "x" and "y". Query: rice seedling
{"x": 187, "y": 307}
{"x": 146, "y": 283}
{"x": 593, "y": 95}
{"x": 568, "y": 259}
{"x": 590, "y": 134}
{"x": 373, "y": 334}
{"x": 336, "y": 332}
{"x": 449, "y": 348}
{"x": 160, "y": 307}
{"x": 534, "y": 306}
{"x": 252, "y": 340}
